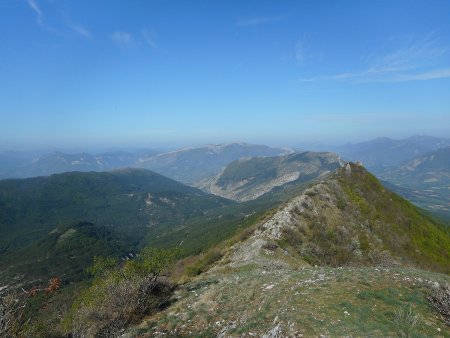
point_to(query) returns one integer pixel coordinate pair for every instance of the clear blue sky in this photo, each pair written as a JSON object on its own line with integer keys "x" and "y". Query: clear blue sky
{"x": 150, "y": 73}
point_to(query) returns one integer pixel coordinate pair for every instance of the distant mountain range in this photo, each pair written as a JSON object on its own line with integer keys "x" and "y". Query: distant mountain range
{"x": 425, "y": 180}
{"x": 32, "y": 164}
{"x": 383, "y": 152}
{"x": 195, "y": 164}
{"x": 185, "y": 165}
{"x": 191, "y": 165}
{"x": 250, "y": 178}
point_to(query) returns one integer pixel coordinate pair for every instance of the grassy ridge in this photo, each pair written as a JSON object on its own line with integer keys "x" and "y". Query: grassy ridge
{"x": 406, "y": 230}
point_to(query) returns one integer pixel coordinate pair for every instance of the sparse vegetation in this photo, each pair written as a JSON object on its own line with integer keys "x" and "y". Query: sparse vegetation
{"x": 310, "y": 301}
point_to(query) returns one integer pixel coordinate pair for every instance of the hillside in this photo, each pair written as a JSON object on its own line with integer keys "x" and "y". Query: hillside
{"x": 341, "y": 259}
{"x": 250, "y": 178}
{"x": 129, "y": 201}
{"x": 427, "y": 177}
{"x": 65, "y": 252}
{"x": 196, "y": 164}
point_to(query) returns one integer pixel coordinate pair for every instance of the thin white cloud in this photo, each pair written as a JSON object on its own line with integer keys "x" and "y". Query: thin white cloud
{"x": 374, "y": 75}
{"x": 81, "y": 30}
{"x": 258, "y": 20}
{"x": 442, "y": 73}
{"x": 380, "y": 117}
{"x": 39, "y": 14}
{"x": 123, "y": 39}
{"x": 410, "y": 63}
{"x": 416, "y": 53}
{"x": 150, "y": 38}
{"x": 367, "y": 75}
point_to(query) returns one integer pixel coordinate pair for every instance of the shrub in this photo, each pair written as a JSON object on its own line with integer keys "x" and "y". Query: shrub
{"x": 122, "y": 294}
{"x": 381, "y": 258}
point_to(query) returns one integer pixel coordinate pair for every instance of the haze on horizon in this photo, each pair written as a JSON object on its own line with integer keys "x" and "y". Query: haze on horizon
{"x": 83, "y": 74}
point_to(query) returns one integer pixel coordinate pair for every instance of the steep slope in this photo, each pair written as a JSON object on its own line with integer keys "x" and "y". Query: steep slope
{"x": 339, "y": 260}
{"x": 427, "y": 176}
{"x": 381, "y": 152}
{"x": 250, "y": 178}
{"x": 196, "y": 164}
{"x": 130, "y": 201}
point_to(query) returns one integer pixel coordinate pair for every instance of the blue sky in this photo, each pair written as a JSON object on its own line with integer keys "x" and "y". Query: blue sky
{"x": 154, "y": 73}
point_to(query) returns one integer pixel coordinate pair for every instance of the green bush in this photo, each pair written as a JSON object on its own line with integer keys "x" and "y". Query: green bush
{"x": 123, "y": 294}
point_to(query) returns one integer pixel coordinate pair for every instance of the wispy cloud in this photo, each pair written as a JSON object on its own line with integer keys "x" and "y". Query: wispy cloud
{"x": 418, "y": 52}
{"x": 430, "y": 75}
{"x": 381, "y": 118}
{"x": 413, "y": 62}
{"x": 150, "y": 38}
{"x": 258, "y": 20}
{"x": 39, "y": 14}
{"x": 80, "y": 30}
{"x": 123, "y": 39}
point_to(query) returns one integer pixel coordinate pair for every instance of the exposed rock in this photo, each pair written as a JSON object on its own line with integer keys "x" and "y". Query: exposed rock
{"x": 274, "y": 333}
{"x": 250, "y": 178}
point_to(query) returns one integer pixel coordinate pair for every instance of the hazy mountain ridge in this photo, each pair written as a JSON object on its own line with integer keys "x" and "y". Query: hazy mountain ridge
{"x": 185, "y": 165}
{"x": 427, "y": 177}
{"x": 250, "y": 178}
{"x": 25, "y": 165}
{"x": 381, "y": 152}
{"x": 196, "y": 164}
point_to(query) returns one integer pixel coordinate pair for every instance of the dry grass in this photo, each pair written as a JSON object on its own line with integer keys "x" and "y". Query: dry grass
{"x": 310, "y": 301}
